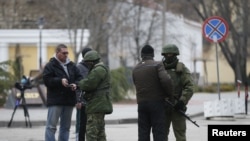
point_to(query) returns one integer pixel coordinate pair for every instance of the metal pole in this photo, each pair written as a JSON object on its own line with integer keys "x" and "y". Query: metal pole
{"x": 40, "y": 25}
{"x": 246, "y": 96}
{"x": 218, "y": 76}
{"x": 215, "y": 39}
{"x": 238, "y": 85}
{"x": 40, "y": 49}
{"x": 164, "y": 23}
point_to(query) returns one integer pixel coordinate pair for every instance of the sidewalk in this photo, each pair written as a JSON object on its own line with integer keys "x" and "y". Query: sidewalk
{"x": 123, "y": 113}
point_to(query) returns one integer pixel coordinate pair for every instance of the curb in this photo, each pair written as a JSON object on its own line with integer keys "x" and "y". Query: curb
{"x": 43, "y": 123}
{"x": 109, "y": 122}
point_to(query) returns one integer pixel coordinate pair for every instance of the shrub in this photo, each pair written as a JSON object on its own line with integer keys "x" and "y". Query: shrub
{"x": 6, "y": 80}
{"x": 225, "y": 87}
{"x": 120, "y": 83}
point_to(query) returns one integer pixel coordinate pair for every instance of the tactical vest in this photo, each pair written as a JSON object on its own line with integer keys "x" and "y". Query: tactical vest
{"x": 176, "y": 76}
{"x": 106, "y": 84}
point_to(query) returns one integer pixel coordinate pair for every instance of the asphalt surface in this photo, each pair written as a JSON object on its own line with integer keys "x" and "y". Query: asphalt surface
{"x": 121, "y": 125}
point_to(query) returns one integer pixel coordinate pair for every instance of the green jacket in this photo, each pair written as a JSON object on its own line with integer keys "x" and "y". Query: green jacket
{"x": 97, "y": 90}
{"x": 183, "y": 82}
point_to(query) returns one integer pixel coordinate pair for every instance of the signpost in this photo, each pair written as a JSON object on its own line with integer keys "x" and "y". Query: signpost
{"x": 215, "y": 29}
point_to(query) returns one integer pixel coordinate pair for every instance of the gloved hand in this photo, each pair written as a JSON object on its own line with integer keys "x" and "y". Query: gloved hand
{"x": 179, "y": 105}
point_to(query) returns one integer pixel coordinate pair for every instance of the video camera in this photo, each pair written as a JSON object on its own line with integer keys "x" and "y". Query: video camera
{"x": 24, "y": 84}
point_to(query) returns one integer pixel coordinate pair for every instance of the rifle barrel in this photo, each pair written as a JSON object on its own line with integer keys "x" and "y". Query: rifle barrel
{"x": 182, "y": 113}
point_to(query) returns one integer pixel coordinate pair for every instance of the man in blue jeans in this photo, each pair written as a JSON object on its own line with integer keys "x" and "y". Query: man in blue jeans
{"x": 60, "y": 76}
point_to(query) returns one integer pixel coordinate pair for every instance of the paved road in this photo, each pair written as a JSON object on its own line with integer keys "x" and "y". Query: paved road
{"x": 121, "y": 124}
{"x": 121, "y": 132}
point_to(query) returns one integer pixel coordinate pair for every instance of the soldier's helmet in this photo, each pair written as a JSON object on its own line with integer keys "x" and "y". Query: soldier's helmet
{"x": 91, "y": 56}
{"x": 171, "y": 48}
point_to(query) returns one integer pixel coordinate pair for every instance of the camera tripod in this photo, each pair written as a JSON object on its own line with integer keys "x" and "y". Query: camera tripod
{"x": 23, "y": 104}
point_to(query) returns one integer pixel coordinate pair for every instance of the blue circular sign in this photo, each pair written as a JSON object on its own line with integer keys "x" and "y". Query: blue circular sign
{"x": 215, "y": 29}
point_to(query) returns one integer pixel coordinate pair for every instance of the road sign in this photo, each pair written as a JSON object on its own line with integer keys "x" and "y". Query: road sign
{"x": 215, "y": 29}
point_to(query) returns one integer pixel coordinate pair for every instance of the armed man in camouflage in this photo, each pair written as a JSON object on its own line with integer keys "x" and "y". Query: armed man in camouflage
{"x": 97, "y": 94}
{"x": 183, "y": 85}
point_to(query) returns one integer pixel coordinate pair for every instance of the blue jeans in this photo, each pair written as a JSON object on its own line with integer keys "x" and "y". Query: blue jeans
{"x": 54, "y": 113}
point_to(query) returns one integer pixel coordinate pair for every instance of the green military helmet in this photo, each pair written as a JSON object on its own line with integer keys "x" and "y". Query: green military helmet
{"x": 91, "y": 56}
{"x": 170, "y": 48}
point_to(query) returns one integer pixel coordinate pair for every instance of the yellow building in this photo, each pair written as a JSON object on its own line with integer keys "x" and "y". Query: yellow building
{"x": 226, "y": 74}
{"x": 30, "y": 44}
{"x": 29, "y": 54}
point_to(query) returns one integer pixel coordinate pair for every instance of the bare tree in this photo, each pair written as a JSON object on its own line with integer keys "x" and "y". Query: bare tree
{"x": 24, "y": 14}
{"x": 235, "y": 47}
{"x": 122, "y": 24}
{"x": 137, "y": 26}
{"x": 85, "y": 14}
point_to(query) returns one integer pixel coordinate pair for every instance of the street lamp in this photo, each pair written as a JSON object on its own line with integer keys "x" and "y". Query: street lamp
{"x": 40, "y": 25}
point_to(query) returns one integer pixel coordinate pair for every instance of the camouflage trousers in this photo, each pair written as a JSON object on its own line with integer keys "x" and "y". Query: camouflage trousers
{"x": 95, "y": 129}
{"x": 178, "y": 123}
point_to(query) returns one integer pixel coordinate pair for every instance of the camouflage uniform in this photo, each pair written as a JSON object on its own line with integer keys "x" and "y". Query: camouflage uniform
{"x": 183, "y": 85}
{"x": 97, "y": 88}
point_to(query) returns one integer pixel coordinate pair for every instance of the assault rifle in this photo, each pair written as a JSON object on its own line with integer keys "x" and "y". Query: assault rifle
{"x": 182, "y": 113}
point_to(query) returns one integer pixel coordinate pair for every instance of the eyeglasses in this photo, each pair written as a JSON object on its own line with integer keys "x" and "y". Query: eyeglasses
{"x": 65, "y": 53}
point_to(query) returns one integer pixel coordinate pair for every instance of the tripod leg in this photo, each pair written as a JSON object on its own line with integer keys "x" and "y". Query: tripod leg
{"x": 26, "y": 113}
{"x": 9, "y": 124}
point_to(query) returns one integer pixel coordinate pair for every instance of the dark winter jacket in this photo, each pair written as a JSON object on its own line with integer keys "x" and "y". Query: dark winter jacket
{"x": 53, "y": 73}
{"x": 83, "y": 68}
{"x": 151, "y": 81}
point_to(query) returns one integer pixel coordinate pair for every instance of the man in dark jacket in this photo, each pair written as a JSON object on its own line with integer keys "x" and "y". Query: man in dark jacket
{"x": 153, "y": 85}
{"x": 60, "y": 76}
{"x": 81, "y": 117}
